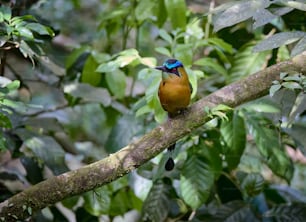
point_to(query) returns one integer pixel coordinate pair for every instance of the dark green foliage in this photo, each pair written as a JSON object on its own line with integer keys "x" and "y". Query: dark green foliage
{"x": 227, "y": 190}
{"x": 34, "y": 171}
{"x": 269, "y": 146}
{"x": 234, "y": 211}
{"x": 92, "y": 90}
{"x": 234, "y": 135}
{"x": 288, "y": 212}
{"x": 196, "y": 181}
{"x": 157, "y": 204}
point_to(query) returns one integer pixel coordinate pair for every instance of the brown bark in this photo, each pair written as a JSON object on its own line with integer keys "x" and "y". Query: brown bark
{"x": 137, "y": 153}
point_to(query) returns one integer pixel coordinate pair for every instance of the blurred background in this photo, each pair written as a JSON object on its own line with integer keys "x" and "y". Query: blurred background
{"x": 77, "y": 84}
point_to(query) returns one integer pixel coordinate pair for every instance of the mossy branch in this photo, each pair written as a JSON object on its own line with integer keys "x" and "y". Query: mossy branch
{"x": 57, "y": 188}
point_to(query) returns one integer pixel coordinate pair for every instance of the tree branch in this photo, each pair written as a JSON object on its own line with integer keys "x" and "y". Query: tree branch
{"x": 137, "y": 153}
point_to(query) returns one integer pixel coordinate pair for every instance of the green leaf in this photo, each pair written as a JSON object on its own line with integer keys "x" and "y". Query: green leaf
{"x": 165, "y": 36}
{"x": 163, "y": 51}
{"x": 287, "y": 212}
{"x": 152, "y": 79}
{"x": 147, "y": 74}
{"x": 25, "y": 32}
{"x": 143, "y": 10}
{"x": 1, "y": 17}
{"x": 194, "y": 32}
{"x": 212, "y": 63}
{"x": 299, "y": 47}
{"x": 12, "y": 86}
{"x": 222, "y": 107}
{"x": 156, "y": 205}
{"x": 298, "y": 107}
{"x": 234, "y": 211}
{"x": 70, "y": 202}
{"x": 100, "y": 57}
{"x": 296, "y": 78}
{"x": 23, "y": 18}
{"x": 252, "y": 184}
{"x": 269, "y": 146}
{"x": 295, "y": 4}
{"x": 273, "y": 89}
{"x": 148, "y": 61}
{"x": 97, "y": 202}
{"x": 48, "y": 150}
{"x": 119, "y": 184}
{"x": 47, "y": 124}
{"x": 161, "y": 13}
{"x": 210, "y": 148}
{"x": 26, "y": 51}
{"x": 176, "y": 10}
{"x": 74, "y": 55}
{"x": 193, "y": 79}
{"x": 288, "y": 192}
{"x": 262, "y": 106}
{"x": 153, "y": 100}
{"x": 5, "y": 122}
{"x": 3, "y": 145}
{"x": 123, "y": 201}
{"x": 111, "y": 66}
{"x": 52, "y": 66}
{"x": 221, "y": 44}
{"x": 291, "y": 85}
{"x": 40, "y": 29}
{"x": 297, "y": 132}
{"x": 88, "y": 93}
{"x": 17, "y": 106}
{"x": 282, "y": 75}
{"x": 113, "y": 16}
{"x": 218, "y": 111}
{"x": 143, "y": 110}
{"x": 126, "y": 57}
{"x": 184, "y": 53}
{"x": 116, "y": 83}
{"x": 125, "y": 129}
{"x": 279, "y": 39}
{"x": 262, "y": 17}
{"x": 234, "y": 135}
{"x": 196, "y": 181}
{"x": 246, "y": 62}
{"x": 6, "y": 12}
{"x": 89, "y": 74}
{"x": 29, "y": 209}
{"x": 283, "y": 53}
{"x": 17, "y": 22}
{"x": 159, "y": 114}
{"x": 4, "y": 86}
{"x": 239, "y": 12}
{"x": 33, "y": 168}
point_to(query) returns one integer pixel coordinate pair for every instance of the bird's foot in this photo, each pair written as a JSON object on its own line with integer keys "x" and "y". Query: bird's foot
{"x": 184, "y": 111}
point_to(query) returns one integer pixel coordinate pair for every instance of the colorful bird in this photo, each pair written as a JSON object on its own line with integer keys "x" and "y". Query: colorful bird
{"x": 174, "y": 93}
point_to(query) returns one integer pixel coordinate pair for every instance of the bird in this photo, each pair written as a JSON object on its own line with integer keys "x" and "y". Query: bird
{"x": 174, "y": 93}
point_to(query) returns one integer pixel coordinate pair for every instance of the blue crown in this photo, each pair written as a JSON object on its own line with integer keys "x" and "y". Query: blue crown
{"x": 172, "y": 63}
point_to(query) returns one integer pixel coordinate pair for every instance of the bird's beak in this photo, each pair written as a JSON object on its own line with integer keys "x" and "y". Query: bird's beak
{"x": 162, "y": 68}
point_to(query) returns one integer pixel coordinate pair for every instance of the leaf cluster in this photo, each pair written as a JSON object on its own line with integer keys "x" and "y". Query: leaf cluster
{"x": 20, "y": 31}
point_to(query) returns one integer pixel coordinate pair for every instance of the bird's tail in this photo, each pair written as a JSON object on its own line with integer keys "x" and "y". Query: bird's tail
{"x": 170, "y": 162}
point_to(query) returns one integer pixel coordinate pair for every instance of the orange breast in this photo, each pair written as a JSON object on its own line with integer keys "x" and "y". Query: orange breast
{"x": 174, "y": 95}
